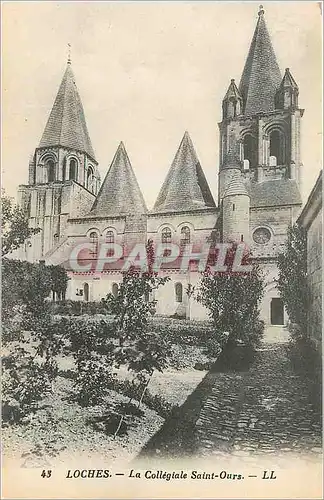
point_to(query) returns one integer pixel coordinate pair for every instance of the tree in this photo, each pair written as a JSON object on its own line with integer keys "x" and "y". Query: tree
{"x": 141, "y": 350}
{"x": 292, "y": 280}
{"x": 232, "y": 299}
{"x": 15, "y": 228}
{"x": 59, "y": 281}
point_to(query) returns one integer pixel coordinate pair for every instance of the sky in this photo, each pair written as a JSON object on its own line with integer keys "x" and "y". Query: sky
{"x": 146, "y": 73}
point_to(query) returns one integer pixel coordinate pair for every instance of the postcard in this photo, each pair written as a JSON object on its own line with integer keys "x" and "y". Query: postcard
{"x": 162, "y": 250}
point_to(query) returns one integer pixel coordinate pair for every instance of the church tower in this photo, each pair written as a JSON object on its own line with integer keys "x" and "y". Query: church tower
{"x": 260, "y": 164}
{"x": 261, "y": 118}
{"x": 63, "y": 172}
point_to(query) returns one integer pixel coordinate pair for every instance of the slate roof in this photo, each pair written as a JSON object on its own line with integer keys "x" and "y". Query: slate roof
{"x": 288, "y": 80}
{"x": 232, "y": 91}
{"x": 120, "y": 193}
{"x": 261, "y": 76}
{"x": 185, "y": 187}
{"x": 236, "y": 187}
{"x": 66, "y": 125}
{"x": 274, "y": 192}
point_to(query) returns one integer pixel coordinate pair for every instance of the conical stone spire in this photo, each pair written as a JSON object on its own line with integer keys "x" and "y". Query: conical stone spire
{"x": 261, "y": 76}
{"x": 185, "y": 187}
{"x": 120, "y": 193}
{"x": 232, "y": 91}
{"x": 66, "y": 125}
{"x": 288, "y": 80}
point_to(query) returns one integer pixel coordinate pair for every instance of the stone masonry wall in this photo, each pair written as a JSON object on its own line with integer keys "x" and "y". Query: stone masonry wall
{"x": 314, "y": 267}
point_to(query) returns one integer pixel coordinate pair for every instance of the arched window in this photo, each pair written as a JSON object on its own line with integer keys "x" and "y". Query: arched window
{"x": 94, "y": 243}
{"x": 114, "y": 289}
{"x": 178, "y": 292}
{"x": 56, "y": 238}
{"x": 50, "y": 171}
{"x": 90, "y": 179}
{"x": 184, "y": 236}
{"x": 64, "y": 170}
{"x": 110, "y": 237}
{"x": 73, "y": 170}
{"x": 86, "y": 292}
{"x": 166, "y": 235}
{"x": 277, "y": 147}
{"x": 249, "y": 149}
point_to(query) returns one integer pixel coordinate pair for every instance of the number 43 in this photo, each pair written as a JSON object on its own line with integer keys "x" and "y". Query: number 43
{"x": 46, "y": 473}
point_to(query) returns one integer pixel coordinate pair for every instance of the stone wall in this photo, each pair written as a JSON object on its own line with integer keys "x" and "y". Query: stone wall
{"x": 311, "y": 219}
{"x": 314, "y": 271}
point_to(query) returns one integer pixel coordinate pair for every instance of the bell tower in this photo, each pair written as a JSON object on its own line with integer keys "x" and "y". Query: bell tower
{"x": 260, "y": 126}
{"x": 63, "y": 175}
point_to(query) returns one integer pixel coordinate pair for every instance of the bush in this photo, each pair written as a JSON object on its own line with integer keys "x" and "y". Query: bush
{"x": 232, "y": 299}
{"x": 292, "y": 280}
{"x": 78, "y": 308}
{"x": 134, "y": 391}
{"x": 25, "y": 381}
{"x": 94, "y": 377}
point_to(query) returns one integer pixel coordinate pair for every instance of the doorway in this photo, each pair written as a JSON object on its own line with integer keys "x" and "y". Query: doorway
{"x": 277, "y": 311}
{"x": 86, "y": 292}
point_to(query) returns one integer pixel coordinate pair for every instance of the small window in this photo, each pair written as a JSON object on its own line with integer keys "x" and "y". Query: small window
{"x": 90, "y": 179}
{"x": 73, "y": 170}
{"x": 50, "y": 170}
{"x": 178, "y": 292}
{"x": 94, "y": 242}
{"x": 110, "y": 237}
{"x": 64, "y": 170}
{"x": 184, "y": 236}
{"x": 277, "y": 148}
{"x": 250, "y": 149}
{"x": 241, "y": 238}
{"x": 233, "y": 207}
{"x": 114, "y": 289}
{"x": 166, "y": 235}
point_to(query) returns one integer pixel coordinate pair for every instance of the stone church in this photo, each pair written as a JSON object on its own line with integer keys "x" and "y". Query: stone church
{"x": 258, "y": 187}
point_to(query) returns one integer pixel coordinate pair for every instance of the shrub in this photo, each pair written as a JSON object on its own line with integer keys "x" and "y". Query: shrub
{"x": 292, "y": 280}
{"x": 135, "y": 392}
{"x": 232, "y": 299}
{"x": 94, "y": 377}
{"x": 25, "y": 381}
{"x": 78, "y": 308}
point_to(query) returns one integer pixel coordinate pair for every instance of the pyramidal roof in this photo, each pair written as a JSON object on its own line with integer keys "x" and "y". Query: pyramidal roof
{"x": 288, "y": 80}
{"x": 66, "y": 125}
{"x": 261, "y": 76}
{"x": 185, "y": 187}
{"x": 120, "y": 193}
{"x": 232, "y": 91}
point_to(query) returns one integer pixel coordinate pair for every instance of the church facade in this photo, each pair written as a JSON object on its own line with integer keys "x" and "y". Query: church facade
{"x": 258, "y": 188}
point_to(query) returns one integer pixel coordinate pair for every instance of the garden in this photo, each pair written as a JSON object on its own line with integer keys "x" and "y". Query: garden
{"x": 101, "y": 378}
